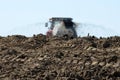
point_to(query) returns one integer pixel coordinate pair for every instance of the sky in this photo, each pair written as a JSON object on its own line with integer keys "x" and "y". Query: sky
{"x": 27, "y": 17}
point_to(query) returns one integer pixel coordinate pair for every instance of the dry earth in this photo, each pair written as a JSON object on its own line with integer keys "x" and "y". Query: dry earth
{"x": 42, "y": 58}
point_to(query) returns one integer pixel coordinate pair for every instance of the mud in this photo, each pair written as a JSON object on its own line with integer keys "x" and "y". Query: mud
{"x": 42, "y": 58}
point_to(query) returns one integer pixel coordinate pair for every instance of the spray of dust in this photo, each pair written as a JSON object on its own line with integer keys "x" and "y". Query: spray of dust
{"x": 83, "y": 29}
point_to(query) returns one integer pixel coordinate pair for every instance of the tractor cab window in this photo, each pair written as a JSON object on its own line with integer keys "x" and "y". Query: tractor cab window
{"x": 57, "y": 22}
{"x": 54, "y": 23}
{"x": 51, "y": 25}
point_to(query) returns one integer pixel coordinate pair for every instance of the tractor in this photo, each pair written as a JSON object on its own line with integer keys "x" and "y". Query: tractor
{"x": 61, "y": 27}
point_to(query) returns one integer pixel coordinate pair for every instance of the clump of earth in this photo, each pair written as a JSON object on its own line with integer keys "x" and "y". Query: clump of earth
{"x": 43, "y": 58}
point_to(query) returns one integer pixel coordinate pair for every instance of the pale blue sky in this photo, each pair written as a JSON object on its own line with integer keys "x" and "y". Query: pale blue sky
{"x": 15, "y": 14}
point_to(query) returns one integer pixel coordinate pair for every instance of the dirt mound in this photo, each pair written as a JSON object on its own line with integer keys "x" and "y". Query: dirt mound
{"x": 42, "y": 58}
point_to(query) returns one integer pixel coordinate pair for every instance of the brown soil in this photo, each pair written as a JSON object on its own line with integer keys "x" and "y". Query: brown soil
{"x": 41, "y": 58}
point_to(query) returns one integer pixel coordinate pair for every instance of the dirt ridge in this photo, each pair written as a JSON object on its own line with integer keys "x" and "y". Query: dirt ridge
{"x": 43, "y": 58}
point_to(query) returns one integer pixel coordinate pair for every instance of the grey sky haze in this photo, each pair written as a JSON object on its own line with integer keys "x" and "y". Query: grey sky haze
{"x": 19, "y": 13}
